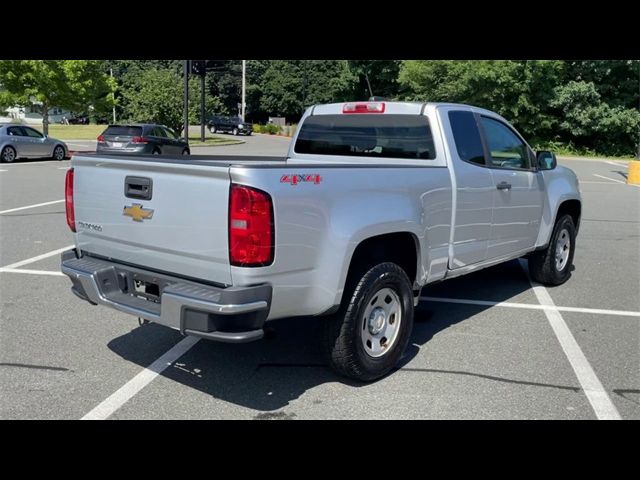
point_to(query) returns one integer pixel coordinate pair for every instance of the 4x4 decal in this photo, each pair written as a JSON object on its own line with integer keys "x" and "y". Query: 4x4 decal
{"x": 296, "y": 178}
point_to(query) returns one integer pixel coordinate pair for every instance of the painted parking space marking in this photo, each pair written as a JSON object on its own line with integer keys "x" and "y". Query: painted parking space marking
{"x": 617, "y": 164}
{"x": 615, "y": 180}
{"x": 31, "y": 206}
{"x": 602, "y": 405}
{"x": 40, "y": 162}
{"x": 35, "y": 259}
{"x": 125, "y": 393}
{"x": 32, "y": 272}
{"x": 529, "y": 306}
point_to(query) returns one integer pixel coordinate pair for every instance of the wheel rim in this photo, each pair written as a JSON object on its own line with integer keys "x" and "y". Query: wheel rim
{"x": 9, "y": 155}
{"x": 381, "y": 323}
{"x": 185, "y": 152}
{"x": 563, "y": 248}
{"x": 156, "y": 152}
{"x": 58, "y": 153}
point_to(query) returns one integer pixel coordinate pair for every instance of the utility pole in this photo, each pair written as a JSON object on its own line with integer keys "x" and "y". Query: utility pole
{"x": 244, "y": 87}
{"x": 203, "y": 74}
{"x": 114, "y": 98}
{"x": 186, "y": 100}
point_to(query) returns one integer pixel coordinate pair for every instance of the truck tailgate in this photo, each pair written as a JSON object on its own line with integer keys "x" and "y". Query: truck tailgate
{"x": 181, "y": 229}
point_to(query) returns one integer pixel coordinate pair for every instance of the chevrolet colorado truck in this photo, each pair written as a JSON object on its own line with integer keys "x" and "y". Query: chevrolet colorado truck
{"x": 374, "y": 201}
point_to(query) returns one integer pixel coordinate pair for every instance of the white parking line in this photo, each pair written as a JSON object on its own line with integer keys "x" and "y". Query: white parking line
{"x": 615, "y": 180}
{"x": 529, "y": 306}
{"x": 36, "y": 163}
{"x": 35, "y": 259}
{"x": 137, "y": 383}
{"x": 591, "y": 385}
{"x": 31, "y": 206}
{"x": 617, "y": 164}
{"x": 32, "y": 272}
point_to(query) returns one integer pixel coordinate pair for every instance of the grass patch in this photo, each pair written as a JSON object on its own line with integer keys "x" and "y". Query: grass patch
{"x": 194, "y": 141}
{"x": 570, "y": 150}
{"x": 75, "y": 132}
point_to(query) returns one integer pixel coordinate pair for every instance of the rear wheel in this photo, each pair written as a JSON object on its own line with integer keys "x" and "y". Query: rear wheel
{"x": 552, "y": 266}
{"x": 156, "y": 152}
{"x": 58, "y": 153}
{"x": 8, "y": 154}
{"x": 186, "y": 152}
{"x": 370, "y": 332}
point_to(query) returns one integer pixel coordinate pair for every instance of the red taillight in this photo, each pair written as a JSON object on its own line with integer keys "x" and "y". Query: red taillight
{"x": 68, "y": 200}
{"x": 139, "y": 140}
{"x": 101, "y": 138}
{"x": 368, "y": 107}
{"x": 250, "y": 227}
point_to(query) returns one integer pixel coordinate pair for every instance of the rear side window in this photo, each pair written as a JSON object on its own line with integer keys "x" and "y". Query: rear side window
{"x": 466, "y": 136}
{"x": 367, "y": 135}
{"x": 15, "y": 131}
{"x": 124, "y": 131}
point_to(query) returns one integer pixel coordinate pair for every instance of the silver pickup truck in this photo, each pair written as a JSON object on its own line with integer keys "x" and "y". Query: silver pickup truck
{"x": 374, "y": 201}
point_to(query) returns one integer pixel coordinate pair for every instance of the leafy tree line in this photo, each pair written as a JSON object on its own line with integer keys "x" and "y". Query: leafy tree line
{"x": 587, "y": 105}
{"x": 580, "y": 105}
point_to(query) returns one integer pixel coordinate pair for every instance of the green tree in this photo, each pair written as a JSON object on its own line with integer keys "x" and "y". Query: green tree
{"x": 374, "y": 78}
{"x": 589, "y": 122}
{"x": 156, "y": 96}
{"x": 289, "y": 86}
{"x": 77, "y": 85}
{"x": 519, "y": 90}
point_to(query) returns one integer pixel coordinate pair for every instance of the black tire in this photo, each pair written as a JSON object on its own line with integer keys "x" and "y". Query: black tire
{"x": 212, "y": 129}
{"x": 156, "y": 152}
{"x": 344, "y": 330}
{"x": 235, "y": 132}
{"x": 58, "y": 153}
{"x": 186, "y": 152}
{"x": 8, "y": 155}
{"x": 543, "y": 267}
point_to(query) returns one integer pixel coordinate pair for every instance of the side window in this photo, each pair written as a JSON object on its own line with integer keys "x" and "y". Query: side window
{"x": 169, "y": 133}
{"x": 507, "y": 150}
{"x": 32, "y": 133}
{"x": 15, "y": 132}
{"x": 159, "y": 132}
{"x": 467, "y": 136}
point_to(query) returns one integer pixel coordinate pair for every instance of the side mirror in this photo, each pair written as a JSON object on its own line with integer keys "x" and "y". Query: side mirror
{"x": 546, "y": 160}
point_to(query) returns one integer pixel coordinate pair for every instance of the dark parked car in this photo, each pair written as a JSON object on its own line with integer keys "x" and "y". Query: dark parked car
{"x": 142, "y": 138}
{"x": 233, "y": 125}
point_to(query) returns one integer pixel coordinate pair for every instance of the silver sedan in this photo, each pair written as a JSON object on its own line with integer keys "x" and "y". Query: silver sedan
{"x": 20, "y": 141}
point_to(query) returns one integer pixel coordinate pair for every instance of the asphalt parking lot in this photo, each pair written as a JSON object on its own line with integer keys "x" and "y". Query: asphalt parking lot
{"x": 485, "y": 346}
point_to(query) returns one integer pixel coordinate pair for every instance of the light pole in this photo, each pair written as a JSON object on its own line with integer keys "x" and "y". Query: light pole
{"x": 114, "y": 97}
{"x": 186, "y": 101}
{"x": 244, "y": 85}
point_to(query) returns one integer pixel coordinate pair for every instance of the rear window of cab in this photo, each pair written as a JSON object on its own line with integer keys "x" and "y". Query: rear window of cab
{"x": 367, "y": 135}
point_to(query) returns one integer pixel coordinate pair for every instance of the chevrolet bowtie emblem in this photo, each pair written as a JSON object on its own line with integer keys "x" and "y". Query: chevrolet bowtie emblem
{"x": 138, "y": 213}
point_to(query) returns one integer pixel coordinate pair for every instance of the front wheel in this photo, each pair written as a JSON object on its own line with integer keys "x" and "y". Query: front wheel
{"x": 369, "y": 334}
{"x": 8, "y": 154}
{"x": 552, "y": 266}
{"x": 58, "y": 153}
{"x": 212, "y": 129}
{"x": 235, "y": 131}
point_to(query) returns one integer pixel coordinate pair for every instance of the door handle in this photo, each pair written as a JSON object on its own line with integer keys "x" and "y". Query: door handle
{"x": 503, "y": 186}
{"x": 138, "y": 187}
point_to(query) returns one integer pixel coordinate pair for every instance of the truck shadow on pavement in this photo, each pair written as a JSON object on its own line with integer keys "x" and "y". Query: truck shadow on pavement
{"x": 267, "y": 375}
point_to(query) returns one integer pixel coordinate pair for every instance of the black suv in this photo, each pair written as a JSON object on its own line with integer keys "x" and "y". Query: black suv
{"x": 229, "y": 125}
{"x": 142, "y": 138}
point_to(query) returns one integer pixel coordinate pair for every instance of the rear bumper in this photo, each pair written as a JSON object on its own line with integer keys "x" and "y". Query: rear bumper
{"x": 233, "y": 314}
